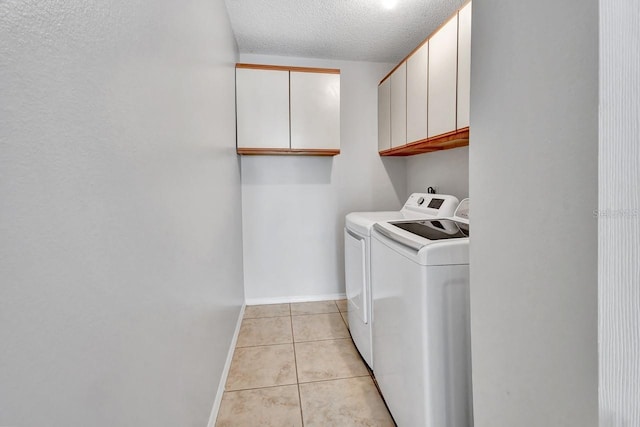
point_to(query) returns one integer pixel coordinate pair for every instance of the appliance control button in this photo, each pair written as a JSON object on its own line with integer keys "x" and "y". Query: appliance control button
{"x": 420, "y": 201}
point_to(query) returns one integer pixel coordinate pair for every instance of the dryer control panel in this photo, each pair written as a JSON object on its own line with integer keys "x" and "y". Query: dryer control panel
{"x": 463, "y": 210}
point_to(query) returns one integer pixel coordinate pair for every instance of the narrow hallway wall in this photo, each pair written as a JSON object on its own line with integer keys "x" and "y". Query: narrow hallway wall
{"x": 120, "y": 224}
{"x": 533, "y": 173}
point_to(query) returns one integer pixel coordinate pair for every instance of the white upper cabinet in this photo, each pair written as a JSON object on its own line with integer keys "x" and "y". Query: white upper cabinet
{"x": 262, "y": 108}
{"x": 423, "y": 104}
{"x": 384, "y": 115}
{"x": 417, "y": 65}
{"x": 443, "y": 80}
{"x": 287, "y": 110}
{"x": 399, "y": 106}
{"x": 464, "y": 65}
{"x": 315, "y": 110}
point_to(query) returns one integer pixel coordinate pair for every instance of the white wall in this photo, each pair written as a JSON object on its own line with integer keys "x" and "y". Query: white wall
{"x": 120, "y": 232}
{"x": 447, "y": 171}
{"x": 294, "y": 207}
{"x": 534, "y": 181}
{"x": 619, "y": 215}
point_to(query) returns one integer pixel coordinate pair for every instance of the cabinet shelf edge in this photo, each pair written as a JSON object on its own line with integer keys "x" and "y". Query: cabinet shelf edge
{"x": 446, "y": 141}
{"x": 287, "y": 152}
{"x": 288, "y": 68}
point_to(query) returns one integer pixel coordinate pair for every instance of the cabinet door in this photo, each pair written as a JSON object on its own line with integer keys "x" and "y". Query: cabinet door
{"x": 443, "y": 56}
{"x": 384, "y": 115}
{"x": 315, "y": 110}
{"x": 417, "y": 94}
{"x": 464, "y": 65}
{"x": 399, "y": 106}
{"x": 262, "y": 108}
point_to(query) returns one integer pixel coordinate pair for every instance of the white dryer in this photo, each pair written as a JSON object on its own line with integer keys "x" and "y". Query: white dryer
{"x": 357, "y": 241}
{"x": 421, "y": 333}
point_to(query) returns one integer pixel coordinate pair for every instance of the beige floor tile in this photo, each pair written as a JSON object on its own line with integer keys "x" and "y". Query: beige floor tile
{"x": 267, "y": 310}
{"x": 265, "y": 366}
{"x": 345, "y": 317}
{"x": 315, "y": 307}
{"x": 342, "y": 305}
{"x": 314, "y": 327}
{"x": 273, "y": 406}
{"x": 345, "y": 402}
{"x": 265, "y": 331}
{"x": 327, "y": 360}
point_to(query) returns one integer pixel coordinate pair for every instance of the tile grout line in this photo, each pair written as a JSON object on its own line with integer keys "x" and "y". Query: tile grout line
{"x": 315, "y": 314}
{"x": 336, "y": 379}
{"x": 324, "y": 339}
{"x": 260, "y": 388}
{"x": 295, "y": 358}
{"x": 265, "y": 345}
{"x": 300, "y": 401}
{"x": 298, "y": 384}
{"x": 345, "y": 323}
{"x": 295, "y": 361}
{"x": 266, "y": 317}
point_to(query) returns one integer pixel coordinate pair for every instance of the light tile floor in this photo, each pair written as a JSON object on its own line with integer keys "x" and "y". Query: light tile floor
{"x": 295, "y": 365}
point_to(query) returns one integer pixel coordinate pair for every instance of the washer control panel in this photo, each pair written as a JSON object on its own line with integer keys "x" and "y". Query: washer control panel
{"x": 440, "y": 205}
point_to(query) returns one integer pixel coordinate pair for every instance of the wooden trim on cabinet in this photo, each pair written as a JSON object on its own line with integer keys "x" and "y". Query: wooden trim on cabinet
{"x": 287, "y": 152}
{"x": 404, "y": 151}
{"x": 445, "y": 141}
{"x": 425, "y": 40}
{"x": 286, "y": 68}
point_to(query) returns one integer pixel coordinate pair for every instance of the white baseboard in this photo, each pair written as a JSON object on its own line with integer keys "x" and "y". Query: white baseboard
{"x": 225, "y": 371}
{"x": 289, "y": 299}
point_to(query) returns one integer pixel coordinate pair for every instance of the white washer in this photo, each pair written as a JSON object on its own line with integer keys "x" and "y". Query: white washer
{"x": 421, "y": 337}
{"x": 357, "y": 242}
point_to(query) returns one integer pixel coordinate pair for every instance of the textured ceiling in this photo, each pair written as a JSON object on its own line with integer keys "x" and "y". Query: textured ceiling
{"x": 359, "y": 30}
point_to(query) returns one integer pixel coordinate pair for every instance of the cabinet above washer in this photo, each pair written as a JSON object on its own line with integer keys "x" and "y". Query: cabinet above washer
{"x": 435, "y": 112}
{"x": 287, "y": 110}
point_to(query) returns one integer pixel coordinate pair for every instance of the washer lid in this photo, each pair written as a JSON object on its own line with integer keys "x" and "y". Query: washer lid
{"x": 417, "y": 234}
{"x": 436, "y": 229}
{"x": 362, "y": 222}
